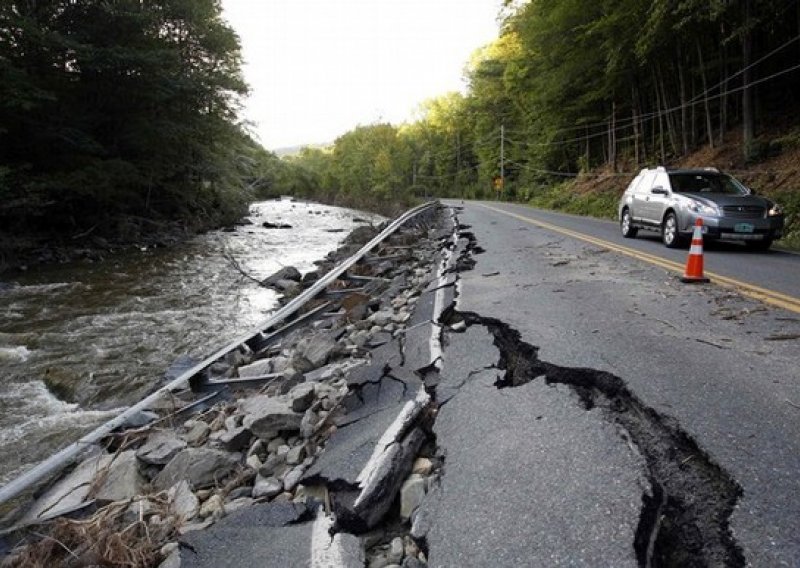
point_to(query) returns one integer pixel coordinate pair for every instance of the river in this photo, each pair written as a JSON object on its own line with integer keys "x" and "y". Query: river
{"x": 101, "y": 335}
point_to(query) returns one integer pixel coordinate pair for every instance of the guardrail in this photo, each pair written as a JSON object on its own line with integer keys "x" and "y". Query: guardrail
{"x": 67, "y": 455}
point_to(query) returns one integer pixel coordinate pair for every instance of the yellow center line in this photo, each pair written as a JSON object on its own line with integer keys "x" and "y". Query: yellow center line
{"x": 772, "y": 297}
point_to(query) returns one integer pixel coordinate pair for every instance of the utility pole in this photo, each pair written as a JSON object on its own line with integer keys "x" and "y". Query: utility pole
{"x": 502, "y": 160}
{"x": 459, "y": 191}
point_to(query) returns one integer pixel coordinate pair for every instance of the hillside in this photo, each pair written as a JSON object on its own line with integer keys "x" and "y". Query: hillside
{"x": 777, "y": 176}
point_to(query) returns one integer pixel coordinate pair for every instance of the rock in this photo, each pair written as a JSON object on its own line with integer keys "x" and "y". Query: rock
{"x": 302, "y": 396}
{"x": 410, "y": 547}
{"x": 182, "y": 501}
{"x": 379, "y": 561}
{"x": 296, "y": 455}
{"x": 286, "y": 286}
{"x": 140, "y": 418}
{"x": 240, "y": 503}
{"x": 266, "y": 416}
{"x": 257, "y": 368}
{"x": 160, "y": 447}
{"x": 274, "y": 444}
{"x": 257, "y": 448}
{"x": 411, "y": 562}
{"x": 270, "y": 465}
{"x": 254, "y": 462}
{"x": 236, "y": 439}
{"x": 381, "y": 318}
{"x": 422, "y": 466}
{"x": 201, "y": 467}
{"x": 285, "y": 273}
{"x": 198, "y": 432}
{"x": 233, "y": 422}
{"x": 411, "y": 494}
{"x": 309, "y": 424}
{"x": 268, "y": 225}
{"x": 396, "y": 551}
{"x": 172, "y": 560}
{"x": 185, "y": 529}
{"x": 238, "y": 493}
{"x": 316, "y": 348}
{"x": 266, "y": 487}
{"x": 167, "y": 549}
{"x": 401, "y": 317}
{"x": 293, "y": 477}
{"x": 213, "y": 507}
{"x": 122, "y": 481}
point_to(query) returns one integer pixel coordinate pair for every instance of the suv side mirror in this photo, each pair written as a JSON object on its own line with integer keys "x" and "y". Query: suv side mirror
{"x": 659, "y": 190}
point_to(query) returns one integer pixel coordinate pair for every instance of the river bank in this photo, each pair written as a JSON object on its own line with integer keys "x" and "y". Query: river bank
{"x": 79, "y": 340}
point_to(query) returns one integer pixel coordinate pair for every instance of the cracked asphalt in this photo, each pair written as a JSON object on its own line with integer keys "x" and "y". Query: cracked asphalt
{"x": 532, "y": 478}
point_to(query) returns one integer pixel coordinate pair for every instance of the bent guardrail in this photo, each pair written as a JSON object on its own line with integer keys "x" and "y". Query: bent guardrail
{"x": 67, "y": 455}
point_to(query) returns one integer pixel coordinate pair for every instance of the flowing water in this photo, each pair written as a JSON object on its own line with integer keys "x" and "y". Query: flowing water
{"x": 79, "y": 342}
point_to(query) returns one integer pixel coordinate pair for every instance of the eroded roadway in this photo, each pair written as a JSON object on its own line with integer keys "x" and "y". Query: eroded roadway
{"x": 639, "y": 414}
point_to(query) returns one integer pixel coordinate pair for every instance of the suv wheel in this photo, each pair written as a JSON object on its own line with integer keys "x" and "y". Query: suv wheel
{"x": 669, "y": 231}
{"x": 626, "y": 225}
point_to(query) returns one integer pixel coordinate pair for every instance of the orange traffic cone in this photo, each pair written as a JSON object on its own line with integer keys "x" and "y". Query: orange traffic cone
{"x": 694, "y": 264}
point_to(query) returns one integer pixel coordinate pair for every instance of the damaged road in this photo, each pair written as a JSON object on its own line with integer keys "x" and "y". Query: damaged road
{"x": 497, "y": 397}
{"x": 588, "y": 417}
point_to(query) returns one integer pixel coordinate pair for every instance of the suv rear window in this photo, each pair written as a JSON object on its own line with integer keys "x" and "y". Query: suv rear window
{"x": 697, "y": 182}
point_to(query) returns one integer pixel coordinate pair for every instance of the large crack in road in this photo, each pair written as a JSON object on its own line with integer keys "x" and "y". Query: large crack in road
{"x": 684, "y": 518}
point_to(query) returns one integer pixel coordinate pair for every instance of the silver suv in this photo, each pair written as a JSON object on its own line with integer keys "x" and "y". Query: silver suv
{"x": 669, "y": 201}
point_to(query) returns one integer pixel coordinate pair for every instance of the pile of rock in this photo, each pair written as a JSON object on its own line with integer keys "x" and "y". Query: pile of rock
{"x": 180, "y": 476}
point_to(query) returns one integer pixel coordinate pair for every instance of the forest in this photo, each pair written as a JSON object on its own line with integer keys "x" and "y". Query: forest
{"x": 574, "y": 97}
{"x": 117, "y": 117}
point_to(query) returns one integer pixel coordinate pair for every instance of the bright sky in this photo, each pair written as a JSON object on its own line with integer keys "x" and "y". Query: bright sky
{"x": 318, "y": 68}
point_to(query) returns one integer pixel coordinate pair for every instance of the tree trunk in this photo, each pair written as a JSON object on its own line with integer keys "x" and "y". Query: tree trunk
{"x": 723, "y": 103}
{"x": 635, "y": 121}
{"x": 660, "y": 120}
{"x": 693, "y": 118}
{"x": 668, "y": 118}
{"x": 684, "y": 107}
{"x": 748, "y": 115}
{"x": 709, "y": 129}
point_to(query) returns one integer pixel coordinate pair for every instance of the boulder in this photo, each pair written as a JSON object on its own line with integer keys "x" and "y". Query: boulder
{"x": 316, "y": 348}
{"x": 182, "y": 501}
{"x": 198, "y": 432}
{"x": 160, "y": 447}
{"x": 201, "y": 467}
{"x": 285, "y": 273}
{"x": 411, "y": 494}
{"x": 381, "y": 318}
{"x": 296, "y": 455}
{"x": 266, "y": 416}
{"x": 302, "y": 396}
{"x": 214, "y": 507}
{"x": 266, "y": 487}
{"x": 235, "y": 439}
{"x": 120, "y": 480}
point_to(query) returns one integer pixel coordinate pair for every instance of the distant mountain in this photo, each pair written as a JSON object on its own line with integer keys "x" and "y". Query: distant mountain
{"x": 292, "y": 150}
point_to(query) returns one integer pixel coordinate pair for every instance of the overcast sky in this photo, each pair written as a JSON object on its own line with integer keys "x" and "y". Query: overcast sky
{"x": 318, "y": 68}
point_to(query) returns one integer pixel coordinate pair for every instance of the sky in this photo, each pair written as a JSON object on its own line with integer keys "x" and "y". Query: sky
{"x": 318, "y": 68}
